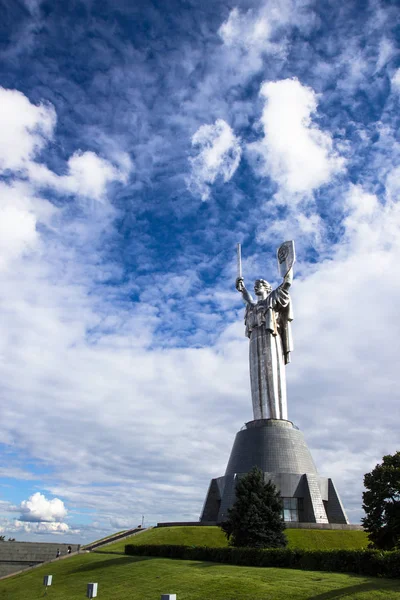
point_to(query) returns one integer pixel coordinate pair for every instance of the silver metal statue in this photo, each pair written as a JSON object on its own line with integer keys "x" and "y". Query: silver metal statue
{"x": 267, "y": 322}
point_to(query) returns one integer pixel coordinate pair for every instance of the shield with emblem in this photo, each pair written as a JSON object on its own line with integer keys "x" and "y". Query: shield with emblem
{"x": 286, "y": 256}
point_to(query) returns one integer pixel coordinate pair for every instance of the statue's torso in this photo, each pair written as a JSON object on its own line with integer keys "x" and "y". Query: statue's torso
{"x": 262, "y": 314}
{"x": 255, "y": 314}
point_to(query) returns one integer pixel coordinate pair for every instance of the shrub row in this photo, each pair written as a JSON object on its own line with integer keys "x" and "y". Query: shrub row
{"x": 363, "y": 562}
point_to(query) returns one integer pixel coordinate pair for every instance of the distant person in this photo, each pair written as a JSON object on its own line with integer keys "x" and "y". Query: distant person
{"x": 69, "y": 550}
{"x": 58, "y": 553}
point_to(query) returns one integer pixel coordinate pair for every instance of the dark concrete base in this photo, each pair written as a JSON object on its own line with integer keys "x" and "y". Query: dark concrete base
{"x": 278, "y": 448}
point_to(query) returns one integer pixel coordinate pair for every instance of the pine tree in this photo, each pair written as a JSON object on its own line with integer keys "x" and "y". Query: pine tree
{"x": 255, "y": 519}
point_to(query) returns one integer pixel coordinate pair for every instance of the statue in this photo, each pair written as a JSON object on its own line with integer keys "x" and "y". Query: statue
{"x": 267, "y": 322}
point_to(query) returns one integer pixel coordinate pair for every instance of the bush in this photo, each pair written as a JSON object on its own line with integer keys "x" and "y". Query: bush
{"x": 363, "y": 562}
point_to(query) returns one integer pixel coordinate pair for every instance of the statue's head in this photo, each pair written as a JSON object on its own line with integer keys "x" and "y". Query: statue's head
{"x": 261, "y": 286}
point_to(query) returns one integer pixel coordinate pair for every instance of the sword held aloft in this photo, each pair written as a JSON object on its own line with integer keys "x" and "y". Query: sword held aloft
{"x": 239, "y": 260}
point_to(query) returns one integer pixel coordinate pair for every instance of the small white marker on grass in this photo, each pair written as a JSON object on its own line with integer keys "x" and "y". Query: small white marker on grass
{"x": 91, "y": 591}
{"x": 47, "y": 581}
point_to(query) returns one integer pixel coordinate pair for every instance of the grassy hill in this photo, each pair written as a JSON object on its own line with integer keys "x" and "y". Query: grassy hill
{"x": 123, "y": 577}
{"x": 309, "y": 539}
{"x": 320, "y": 539}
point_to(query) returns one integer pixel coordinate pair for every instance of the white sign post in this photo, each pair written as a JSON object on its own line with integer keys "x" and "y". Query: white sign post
{"x": 47, "y": 581}
{"x": 91, "y": 590}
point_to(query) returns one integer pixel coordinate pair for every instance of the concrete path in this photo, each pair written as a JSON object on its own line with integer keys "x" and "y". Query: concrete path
{"x": 114, "y": 538}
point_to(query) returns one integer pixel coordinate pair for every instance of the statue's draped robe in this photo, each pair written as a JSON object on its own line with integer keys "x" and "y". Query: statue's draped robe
{"x": 268, "y": 327}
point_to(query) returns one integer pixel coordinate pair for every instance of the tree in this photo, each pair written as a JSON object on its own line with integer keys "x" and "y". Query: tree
{"x": 381, "y": 503}
{"x": 255, "y": 519}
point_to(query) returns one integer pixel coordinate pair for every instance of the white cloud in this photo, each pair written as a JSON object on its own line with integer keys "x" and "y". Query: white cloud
{"x": 120, "y": 523}
{"x": 386, "y": 52}
{"x": 307, "y": 228}
{"x": 33, "y": 6}
{"x": 250, "y": 36}
{"x": 17, "y": 224}
{"x": 38, "y": 508}
{"x": 340, "y": 295}
{"x": 249, "y": 33}
{"x": 296, "y": 153}
{"x": 25, "y": 129}
{"x": 20, "y": 212}
{"x": 41, "y": 528}
{"x": 372, "y": 227}
{"x": 218, "y": 155}
{"x": 393, "y": 184}
{"x": 364, "y": 218}
{"x": 88, "y": 175}
{"x": 396, "y": 80}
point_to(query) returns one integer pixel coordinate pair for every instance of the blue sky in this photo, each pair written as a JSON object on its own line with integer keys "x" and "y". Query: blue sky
{"x": 140, "y": 142}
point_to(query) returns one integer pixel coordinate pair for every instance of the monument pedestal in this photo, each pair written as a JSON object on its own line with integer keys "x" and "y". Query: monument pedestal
{"x": 279, "y": 449}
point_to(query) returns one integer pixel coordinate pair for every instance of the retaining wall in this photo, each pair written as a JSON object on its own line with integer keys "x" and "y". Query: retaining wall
{"x": 289, "y": 525}
{"x": 16, "y": 556}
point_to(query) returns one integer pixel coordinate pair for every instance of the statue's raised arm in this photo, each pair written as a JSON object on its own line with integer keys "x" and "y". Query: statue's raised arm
{"x": 247, "y": 297}
{"x": 288, "y": 279}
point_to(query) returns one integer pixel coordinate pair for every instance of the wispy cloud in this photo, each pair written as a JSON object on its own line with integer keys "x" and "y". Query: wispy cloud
{"x": 218, "y": 154}
{"x": 88, "y": 176}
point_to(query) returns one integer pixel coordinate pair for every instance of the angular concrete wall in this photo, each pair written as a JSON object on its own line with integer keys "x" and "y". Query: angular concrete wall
{"x": 334, "y": 507}
{"x": 15, "y": 556}
{"x": 212, "y": 502}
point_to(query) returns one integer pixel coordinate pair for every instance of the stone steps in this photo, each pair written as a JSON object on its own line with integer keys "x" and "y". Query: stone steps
{"x": 115, "y": 538}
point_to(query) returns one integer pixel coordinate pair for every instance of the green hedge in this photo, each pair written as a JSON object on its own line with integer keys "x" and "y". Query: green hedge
{"x": 363, "y": 562}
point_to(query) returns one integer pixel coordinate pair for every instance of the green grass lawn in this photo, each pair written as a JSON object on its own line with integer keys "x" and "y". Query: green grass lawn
{"x": 310, "y": 539}
{"x": 124, "y": 577}
{"x": 321, "y": 539}
{"x": 181, "y": 536}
